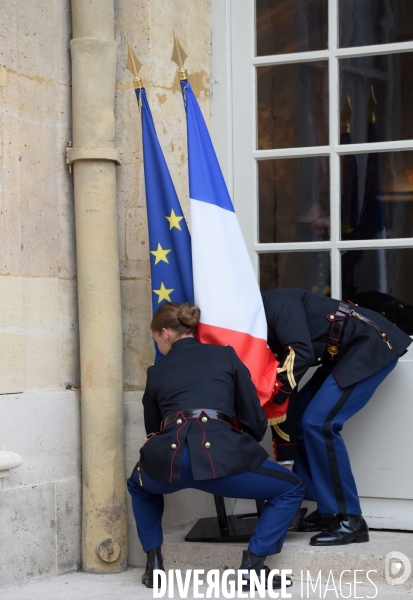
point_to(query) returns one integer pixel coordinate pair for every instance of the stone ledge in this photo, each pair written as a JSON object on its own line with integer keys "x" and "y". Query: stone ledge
{"x": 297, "y": 555}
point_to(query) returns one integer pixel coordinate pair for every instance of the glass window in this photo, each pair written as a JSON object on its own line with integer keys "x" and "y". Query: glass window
{"x": 305, "y": 270}
{"x": 377, "y": 195}
{"x": 292, "y": 105}
{"x": 285, "y": 26}
{"x": 381, "y": 280}
{"x": 367, "y": 22}
{"x": 371, "y": 192}
{"x": 294, "y": 199}
{"x": 389, "y": 75}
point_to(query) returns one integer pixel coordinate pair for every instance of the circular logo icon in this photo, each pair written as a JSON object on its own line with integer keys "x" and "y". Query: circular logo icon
{"x": 397, "y": 568}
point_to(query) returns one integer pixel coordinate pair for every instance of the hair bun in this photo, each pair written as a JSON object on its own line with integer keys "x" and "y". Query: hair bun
{"x": 189, "y": 314}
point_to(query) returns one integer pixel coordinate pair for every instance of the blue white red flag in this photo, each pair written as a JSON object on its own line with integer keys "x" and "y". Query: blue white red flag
{"x": 225, "y": 287}
{"x": 169, "y": 239}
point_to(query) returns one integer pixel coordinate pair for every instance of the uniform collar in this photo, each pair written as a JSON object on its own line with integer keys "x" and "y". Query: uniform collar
{"x": 183, "y": 341}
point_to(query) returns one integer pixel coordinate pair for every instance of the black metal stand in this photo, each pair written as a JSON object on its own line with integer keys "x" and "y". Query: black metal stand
{"x": 232, "y": 528}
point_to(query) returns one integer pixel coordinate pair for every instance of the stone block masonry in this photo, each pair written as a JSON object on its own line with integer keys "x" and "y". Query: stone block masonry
{"x": 40, "y": 503}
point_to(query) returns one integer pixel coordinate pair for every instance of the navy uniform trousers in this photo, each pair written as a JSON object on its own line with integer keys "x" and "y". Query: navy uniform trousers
{"x": 323, "y": 463}
{"x": 272, "y": 482}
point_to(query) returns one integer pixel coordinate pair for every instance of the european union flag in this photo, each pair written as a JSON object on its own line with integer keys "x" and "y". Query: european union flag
{"x": 169, "y": 239}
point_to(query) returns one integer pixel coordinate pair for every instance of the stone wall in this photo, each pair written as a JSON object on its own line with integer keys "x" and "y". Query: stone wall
{"x": 39, "y": 418}
{"x": 39, "y": 355}
{"x": 40, "y": 510}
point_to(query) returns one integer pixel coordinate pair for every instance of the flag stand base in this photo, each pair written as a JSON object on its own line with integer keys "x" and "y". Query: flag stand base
{"x": 232, "y": 528}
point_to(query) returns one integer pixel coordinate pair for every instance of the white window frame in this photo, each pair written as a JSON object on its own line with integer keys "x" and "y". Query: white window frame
{"x": 233, "y": 44}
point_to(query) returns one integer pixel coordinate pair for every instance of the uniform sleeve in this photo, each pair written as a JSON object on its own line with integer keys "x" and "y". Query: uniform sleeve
{"x": 288, "y": 323}
{"x": 151, "y": 413}
{"x": 247, "y": 405}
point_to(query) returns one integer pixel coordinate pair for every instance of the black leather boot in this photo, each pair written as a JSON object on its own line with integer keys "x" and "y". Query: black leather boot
{"x": 252, "y": 562}
{"x": 154, "y": 561}
{"x": 345, "y": 530}
{"x": 316, "y": 522}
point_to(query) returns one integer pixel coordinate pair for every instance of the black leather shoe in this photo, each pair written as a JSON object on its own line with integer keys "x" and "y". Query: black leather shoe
{"x": 345, "y": 530}
{"x": 252, "y": 562}
{"x": 154, "y": 561}
{"x": 316, "y": 522}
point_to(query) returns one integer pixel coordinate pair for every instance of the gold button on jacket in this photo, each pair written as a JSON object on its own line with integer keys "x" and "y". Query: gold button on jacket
{"x": 173, "y": 446}
{"x": 207, "y": 445}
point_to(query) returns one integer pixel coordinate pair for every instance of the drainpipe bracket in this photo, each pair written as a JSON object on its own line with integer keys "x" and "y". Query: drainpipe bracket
{"x": 112, "y": 154}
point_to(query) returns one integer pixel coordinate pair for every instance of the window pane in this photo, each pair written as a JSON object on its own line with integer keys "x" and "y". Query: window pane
{"x": 285, "y": 26}
{"x": 305, "y": 270}
{"x": 377, "y": 195}
{"x": 367, "y": 22}
{"x": 292, "y": 105}
{"x": 392, "y": 104}
{"x": 381, "y": 280}
{"x": 294, "y": 199}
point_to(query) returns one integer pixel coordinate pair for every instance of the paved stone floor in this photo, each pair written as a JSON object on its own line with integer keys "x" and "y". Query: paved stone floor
{"x": 127, "y": 586}
{"x": 296, "y": 555}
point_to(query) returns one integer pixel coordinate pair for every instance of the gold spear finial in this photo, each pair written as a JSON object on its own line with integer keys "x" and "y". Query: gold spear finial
{"x": 134, "y": 65}
{"x": 179, "y": 56}
{"x": 372, "y": 105}
{"x": 346, "y": 115}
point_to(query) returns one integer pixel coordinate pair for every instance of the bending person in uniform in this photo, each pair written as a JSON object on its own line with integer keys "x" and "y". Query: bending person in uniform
{"x": 190, "y": 401}
{"x": 357, "y": 348}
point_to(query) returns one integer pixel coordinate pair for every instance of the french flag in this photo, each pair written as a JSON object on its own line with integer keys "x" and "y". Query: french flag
{"x": 225, "y": 287}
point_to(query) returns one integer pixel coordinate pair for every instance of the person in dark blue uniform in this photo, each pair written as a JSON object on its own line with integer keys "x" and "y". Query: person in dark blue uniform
{"x": 356, "y": 348}
{"x": 191, "y": 398}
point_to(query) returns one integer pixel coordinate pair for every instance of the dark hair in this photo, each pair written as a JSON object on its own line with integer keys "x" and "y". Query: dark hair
{"x": 182, "y": 318}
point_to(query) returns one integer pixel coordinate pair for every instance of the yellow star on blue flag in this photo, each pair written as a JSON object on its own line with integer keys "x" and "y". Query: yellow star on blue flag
{"x": 174, "y": 220}
{"x": 160, "y": 254}
{"x": 163, "y": 293}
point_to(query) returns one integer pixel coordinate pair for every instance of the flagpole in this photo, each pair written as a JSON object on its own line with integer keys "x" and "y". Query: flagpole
{"x": 212, "y": 210}
{"x": 372, "y": 106}
{"x": 346, "y": 116}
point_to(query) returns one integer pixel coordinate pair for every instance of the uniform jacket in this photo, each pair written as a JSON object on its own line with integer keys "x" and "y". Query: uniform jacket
{"x": 299, "y": 319}
{"x": 195, "y": 375}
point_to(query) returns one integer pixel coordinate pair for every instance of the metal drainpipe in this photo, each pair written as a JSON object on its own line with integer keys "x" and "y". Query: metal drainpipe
{"x": 94, "y": 156}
